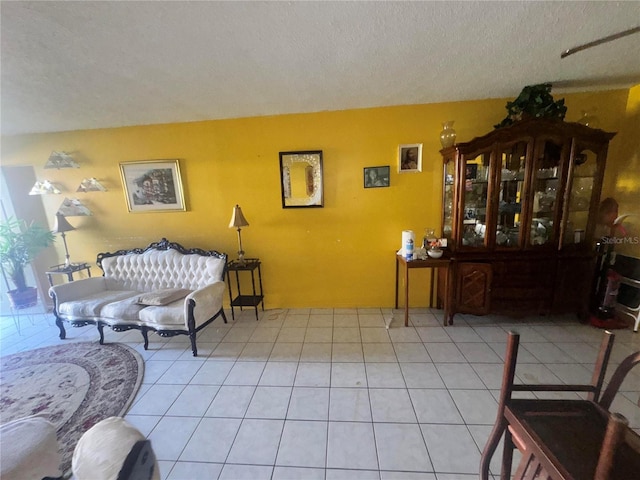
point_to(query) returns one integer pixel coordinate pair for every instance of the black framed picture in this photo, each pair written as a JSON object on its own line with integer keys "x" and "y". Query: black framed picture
{"x": 376, "y": 177}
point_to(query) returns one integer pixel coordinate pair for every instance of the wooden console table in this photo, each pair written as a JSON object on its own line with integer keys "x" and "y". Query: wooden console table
{"x": 431, "y": 263}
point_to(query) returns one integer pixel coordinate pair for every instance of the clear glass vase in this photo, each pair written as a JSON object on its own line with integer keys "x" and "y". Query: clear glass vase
{"x": 448, "y": 134}
{"x": 588, "y": 119}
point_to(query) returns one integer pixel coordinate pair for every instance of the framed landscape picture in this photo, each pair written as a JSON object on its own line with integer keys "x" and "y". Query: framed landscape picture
{"x": 152, "y": 186}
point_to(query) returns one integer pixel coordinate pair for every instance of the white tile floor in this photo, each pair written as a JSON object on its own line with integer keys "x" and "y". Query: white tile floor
{"x": 332, "y": 394}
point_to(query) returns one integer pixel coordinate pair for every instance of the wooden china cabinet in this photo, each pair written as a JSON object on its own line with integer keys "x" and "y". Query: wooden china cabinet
{"x": 519, "y": 212}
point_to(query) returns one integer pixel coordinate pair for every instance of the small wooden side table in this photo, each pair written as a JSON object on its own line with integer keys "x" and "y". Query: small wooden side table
{"x": 431, "y": 263}
{"x": 256, "y": 298}
{"x": 67, "y": 270}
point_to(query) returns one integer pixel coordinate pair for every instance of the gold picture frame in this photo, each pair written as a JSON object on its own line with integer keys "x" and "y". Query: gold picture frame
{"x": 152, "y": 186}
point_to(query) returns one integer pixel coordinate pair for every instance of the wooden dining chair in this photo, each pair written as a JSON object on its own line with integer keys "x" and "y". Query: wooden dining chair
{"x": 500, "y": 427}
{"x": 616, "y": 380}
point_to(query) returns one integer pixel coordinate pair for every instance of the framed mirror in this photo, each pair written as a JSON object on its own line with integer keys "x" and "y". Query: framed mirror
{"x": 301, "y": 179}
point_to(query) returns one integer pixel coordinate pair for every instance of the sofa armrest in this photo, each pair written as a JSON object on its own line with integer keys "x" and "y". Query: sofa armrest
{"x": 208, "y": 302}
{"x": 66, "y": 292}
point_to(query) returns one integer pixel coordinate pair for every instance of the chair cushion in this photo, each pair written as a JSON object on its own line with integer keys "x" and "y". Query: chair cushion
{"x": 126, "y": 310}
{"x": 102, "y": 450}
{"x": 29, "y": 449}
{"x": 163, "y": 296}
{"x": 168, "y": 317}
{"x": 91, "y": 305}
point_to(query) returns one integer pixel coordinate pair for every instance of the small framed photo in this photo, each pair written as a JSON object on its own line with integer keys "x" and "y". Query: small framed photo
{"x": 410, "y": 158}
{"x": 152, "y": 186}
{"x": 376, "y": 176}
{"x": 471, "y": 171}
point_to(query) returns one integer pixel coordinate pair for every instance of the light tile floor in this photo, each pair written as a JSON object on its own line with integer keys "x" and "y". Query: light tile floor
{"x": 332, "y": 394}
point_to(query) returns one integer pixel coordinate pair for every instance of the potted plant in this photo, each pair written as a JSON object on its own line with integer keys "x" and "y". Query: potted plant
{"x": 533, "y": 101}
{"x": 19, "y": 245}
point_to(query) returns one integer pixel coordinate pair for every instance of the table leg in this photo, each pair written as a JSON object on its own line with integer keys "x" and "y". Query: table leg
{"x": 260, "y": 283}
{"x": 406, "y": 295}
{"x": 238, "y": 285}
{"x": 397, "y": 266}
{"x": 433, "y": 276}
{"x": 233, "y": 317}
{"x": 253, "y": 286}
{"x": 448, "y": 317}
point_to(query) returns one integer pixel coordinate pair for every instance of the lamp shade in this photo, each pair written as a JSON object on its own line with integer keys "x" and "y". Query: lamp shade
{"x": 62, "y": 225}
{"x": 237, "y": 218}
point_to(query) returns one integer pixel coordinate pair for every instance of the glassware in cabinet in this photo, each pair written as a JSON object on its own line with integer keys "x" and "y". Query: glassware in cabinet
{"x": 511, "y": 179}
{"x": 447, "y": 199}
{"x": 547, "y": 199}
{"x": 475, "y": 198}
{"x": 581, "y": 190}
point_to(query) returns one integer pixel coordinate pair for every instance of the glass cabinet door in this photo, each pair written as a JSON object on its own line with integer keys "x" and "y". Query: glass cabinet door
{"x": 447, "y": 200}
{"x": 584, "y": 169}
{"x": 546, "y": 193}
{"x": 511, "y": 179}
{"x": 473, "y": 208}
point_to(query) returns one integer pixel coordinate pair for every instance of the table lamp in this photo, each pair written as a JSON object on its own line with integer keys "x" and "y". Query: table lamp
{"x": 61, "y": 226}
{"x": 238, "y": 221}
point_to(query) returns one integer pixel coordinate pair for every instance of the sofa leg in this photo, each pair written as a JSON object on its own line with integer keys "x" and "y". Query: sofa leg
{"x": 145, "y": 335}
{"x": 194, "y": 349}
{"x": 60, "y": 325}
{"x": 224, "y": 317}
{"x": 101, "y": 332}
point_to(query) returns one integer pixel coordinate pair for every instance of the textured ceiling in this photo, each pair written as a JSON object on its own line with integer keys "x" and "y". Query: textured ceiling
{"x": 77, "y": 65}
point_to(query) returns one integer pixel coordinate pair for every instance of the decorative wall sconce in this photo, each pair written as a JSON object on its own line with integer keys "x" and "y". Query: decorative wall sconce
{"x": 44, "y": 188}
{"x": 238, "y": 221}
{"x": 90, "y": 185}
{"x": 72, "y": 207}
{"x": 61, "y": 160}
{"x": 61, "y": 226}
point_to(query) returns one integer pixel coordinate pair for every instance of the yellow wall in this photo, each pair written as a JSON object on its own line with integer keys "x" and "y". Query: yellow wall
{"x": 339, "y": 255}
{"x": 622, "y": 182}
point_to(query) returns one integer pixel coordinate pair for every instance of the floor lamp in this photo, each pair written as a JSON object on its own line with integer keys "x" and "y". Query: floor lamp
{"x": 61, "y": 226}
{"x": 238, "y": 221}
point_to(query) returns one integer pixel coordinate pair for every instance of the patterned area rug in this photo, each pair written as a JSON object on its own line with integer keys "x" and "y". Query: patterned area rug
{"x": 75, "y": 385}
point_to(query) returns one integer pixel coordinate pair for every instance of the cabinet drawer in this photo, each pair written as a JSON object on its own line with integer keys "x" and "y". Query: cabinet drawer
{"x": 530, "y": 273}
{"x": 517, "y": 293}
{"x": 521, "y": 308}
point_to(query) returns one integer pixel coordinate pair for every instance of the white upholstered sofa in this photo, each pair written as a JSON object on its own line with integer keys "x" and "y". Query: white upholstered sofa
{"x": 163, "y": 288}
